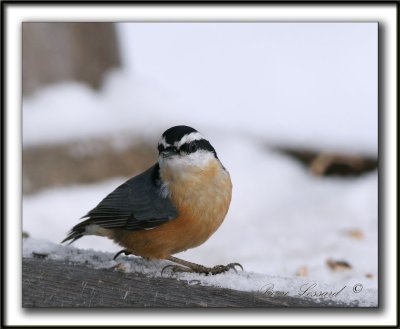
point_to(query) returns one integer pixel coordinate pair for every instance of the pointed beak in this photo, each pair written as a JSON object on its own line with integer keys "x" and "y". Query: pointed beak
{"x": 169, "y": 153}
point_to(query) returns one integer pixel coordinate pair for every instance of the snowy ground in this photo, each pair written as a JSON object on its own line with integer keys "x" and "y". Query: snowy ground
{"x": 351, "y": 293}
{"x": 282, "y": 221}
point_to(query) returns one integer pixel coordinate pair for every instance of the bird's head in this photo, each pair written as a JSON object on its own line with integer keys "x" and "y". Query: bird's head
{"x": 184, "y": 146}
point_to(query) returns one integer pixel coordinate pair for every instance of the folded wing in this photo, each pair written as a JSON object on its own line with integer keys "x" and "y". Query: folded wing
{"x": 135, "y": 205}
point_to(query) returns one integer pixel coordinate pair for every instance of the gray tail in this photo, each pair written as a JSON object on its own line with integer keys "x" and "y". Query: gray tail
{"x": 76, "y": 233}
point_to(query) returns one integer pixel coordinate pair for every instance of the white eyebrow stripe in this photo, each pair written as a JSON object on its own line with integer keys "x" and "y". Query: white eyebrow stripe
{"x": 163, "y": 142}
{"x": 195, "y": 136}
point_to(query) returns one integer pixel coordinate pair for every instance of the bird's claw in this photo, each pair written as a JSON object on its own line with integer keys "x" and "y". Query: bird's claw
{"x": 224, "y": 268}
{"x": 126, "y": 252}
{"x": 232, "y": 265}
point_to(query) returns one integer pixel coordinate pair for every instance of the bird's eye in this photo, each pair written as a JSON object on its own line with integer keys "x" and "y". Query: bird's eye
{"x": 188, "y": 148}
{"x": 192, "y": 147}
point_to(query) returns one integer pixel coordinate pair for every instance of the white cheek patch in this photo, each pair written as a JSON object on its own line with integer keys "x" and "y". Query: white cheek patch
{"x": 189, "y": 138}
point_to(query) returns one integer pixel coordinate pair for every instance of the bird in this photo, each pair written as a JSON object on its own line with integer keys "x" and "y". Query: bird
{"x": 173, "y": 206}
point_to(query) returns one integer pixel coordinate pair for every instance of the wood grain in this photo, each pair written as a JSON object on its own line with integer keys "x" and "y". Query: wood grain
{"x": 49, "y": 283}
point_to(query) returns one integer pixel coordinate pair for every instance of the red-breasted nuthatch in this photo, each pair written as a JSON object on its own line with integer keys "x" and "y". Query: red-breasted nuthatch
{"x": 175, "y": 205}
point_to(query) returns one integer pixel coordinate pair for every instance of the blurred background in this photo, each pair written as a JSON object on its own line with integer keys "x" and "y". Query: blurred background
{"x": 291, "y": 109}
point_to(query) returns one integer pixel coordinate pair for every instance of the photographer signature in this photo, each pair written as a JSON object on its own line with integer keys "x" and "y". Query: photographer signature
{"x": 309, "y": 290}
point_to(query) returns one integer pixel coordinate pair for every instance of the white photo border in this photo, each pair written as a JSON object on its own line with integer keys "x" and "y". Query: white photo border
{"x": 386, "y": 14}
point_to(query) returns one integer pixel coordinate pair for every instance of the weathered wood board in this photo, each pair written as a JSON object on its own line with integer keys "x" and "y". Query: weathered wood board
{"x": 49, "y": 283}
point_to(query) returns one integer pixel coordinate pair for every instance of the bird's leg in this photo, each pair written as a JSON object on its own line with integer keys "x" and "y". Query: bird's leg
{"x": 185, "y": 266}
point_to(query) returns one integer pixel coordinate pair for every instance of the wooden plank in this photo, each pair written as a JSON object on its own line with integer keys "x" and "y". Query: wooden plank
{"x": 86, "y": 161}
{"x": 49, "y": 283}
{"x": 67, "y": 51}
{"x": 95, "y": 159}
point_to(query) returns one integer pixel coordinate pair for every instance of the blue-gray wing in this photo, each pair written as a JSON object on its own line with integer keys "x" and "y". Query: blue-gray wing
{"x": 137, "y": 204}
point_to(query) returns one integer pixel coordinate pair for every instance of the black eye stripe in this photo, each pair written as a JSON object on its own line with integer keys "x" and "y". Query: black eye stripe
{"x": 201, "y": 144}
{"x": 193, "y": 147}
{"x": 170, "y": 148}
{"x": 162, "y": 148}
{"x": 188, "y": 147}
{"x": 176, "y": 135}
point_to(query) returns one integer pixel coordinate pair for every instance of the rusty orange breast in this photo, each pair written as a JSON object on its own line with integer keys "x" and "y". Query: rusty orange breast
{"x": 202, "y": 197}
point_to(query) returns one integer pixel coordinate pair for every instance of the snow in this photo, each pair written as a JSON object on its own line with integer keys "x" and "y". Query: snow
{"x": 286, "y": 83}
{"x": 237, "y": 280}
{"x": 242, "y": 86}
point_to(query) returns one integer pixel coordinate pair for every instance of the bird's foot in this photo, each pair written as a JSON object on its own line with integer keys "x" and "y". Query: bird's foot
{"x": 225, "y": 268}
{"x": 126, "y": 252}
{"x": 196, "y": 268}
